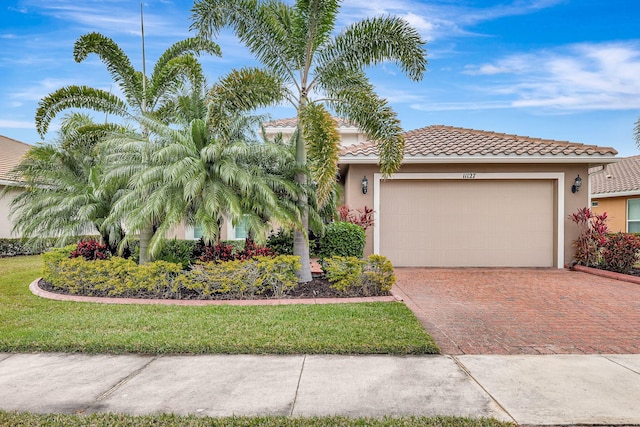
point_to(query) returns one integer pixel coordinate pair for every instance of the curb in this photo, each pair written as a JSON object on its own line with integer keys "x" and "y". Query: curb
{"x": 36, "y": 290}
{"x": 607, "y": 274}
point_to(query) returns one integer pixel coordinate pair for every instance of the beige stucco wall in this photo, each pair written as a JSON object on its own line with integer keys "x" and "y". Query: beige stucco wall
{"x": 616, "y": 209}
{"x": 5, "y": 202}
{"x": 572, "y": 201}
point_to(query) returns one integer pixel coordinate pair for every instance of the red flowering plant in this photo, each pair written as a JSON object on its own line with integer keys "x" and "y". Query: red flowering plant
{"x": 362, "y": 217}
{"x": 592, "y": 236}
{"x": 90, "y": 250}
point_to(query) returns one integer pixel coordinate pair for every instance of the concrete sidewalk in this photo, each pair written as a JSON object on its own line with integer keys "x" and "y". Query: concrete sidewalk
{"x": 552, "y": 389}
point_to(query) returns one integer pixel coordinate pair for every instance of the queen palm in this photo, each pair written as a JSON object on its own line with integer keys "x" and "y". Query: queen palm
{"x": 317, "y": 68}
{"x": 143, "y": 95}
{"x": 210, "y": 169}
{"x": 65, "y": 197}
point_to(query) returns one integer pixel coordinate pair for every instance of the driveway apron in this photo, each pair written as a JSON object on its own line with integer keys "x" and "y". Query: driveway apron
{"x": 523, "y": 311}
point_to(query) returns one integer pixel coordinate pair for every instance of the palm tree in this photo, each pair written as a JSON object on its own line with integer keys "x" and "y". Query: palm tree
{"x": 143, "y": 95}
{"x": 65, "y": 197}
{"x": 316, "y": 68}
{"x": 210, "y": 169}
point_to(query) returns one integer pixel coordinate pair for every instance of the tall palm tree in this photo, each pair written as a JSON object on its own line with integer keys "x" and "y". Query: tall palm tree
{"x": 316, "y": 67}
{"x": 65, "y": 197}
{"x": 210, "y": 169}
{"x": 143, "y": 95}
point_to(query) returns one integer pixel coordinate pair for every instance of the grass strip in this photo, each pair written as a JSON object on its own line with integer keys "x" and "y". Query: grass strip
{"x": 29, "y": 323}
{"x": 98, "y": 420}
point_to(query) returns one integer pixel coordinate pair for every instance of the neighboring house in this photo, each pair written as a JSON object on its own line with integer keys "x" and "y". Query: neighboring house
{"x": 615, "y": 189}
{"x": 469, "y": 198}
{"x": 11, "y": 152}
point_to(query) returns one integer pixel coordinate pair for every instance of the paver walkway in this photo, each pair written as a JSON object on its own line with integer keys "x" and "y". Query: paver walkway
{"x": 523, "y": 311}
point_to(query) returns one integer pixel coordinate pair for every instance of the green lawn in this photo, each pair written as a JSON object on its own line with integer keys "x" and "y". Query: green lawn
{"x": 99, "y": 420}
{"x": 29, "y": 323}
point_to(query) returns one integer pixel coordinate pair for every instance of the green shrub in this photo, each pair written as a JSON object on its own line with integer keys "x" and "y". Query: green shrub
{"x": 344, "y": 273}
{"x": 353, "y": 276}
{"x": 178, "y": 252}
{"x": 342, "y": 239}
{"x": 52, "y": 260}
{"x": 242, "y": 279}
{"x": 119, "y": 277}
{"x": 17, "y": 247}
{"x": 377, "y": 275}
{"x": 281, "y": 242}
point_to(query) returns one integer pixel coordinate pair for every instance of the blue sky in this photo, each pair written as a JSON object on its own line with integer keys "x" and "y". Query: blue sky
{"x": 558, "y": 69}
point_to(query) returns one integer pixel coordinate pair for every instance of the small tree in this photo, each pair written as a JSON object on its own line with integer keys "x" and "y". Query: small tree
{"x": 592, "y": 236}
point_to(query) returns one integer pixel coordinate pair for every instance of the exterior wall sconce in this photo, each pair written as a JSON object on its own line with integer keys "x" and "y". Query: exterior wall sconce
{"x": 365, "y": 185}
{"x": 577, "y": 183}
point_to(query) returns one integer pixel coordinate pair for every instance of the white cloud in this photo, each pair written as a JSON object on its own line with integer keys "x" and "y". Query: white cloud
{"x": 16, "y": 124}
{"x": 580, "y": 77}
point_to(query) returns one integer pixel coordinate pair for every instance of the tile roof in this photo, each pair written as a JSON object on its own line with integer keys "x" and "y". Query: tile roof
{"x": 11, "y": 152}
{"x": 451, "y": 142}
{"x": 292, "y": 122}
{"x": 620, "y": 177}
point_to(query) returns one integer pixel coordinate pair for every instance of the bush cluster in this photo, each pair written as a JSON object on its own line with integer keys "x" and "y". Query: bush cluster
{"x": 17, "y": 247}
{"x": 119, "y": 277}
{"x": 342, "y": 239}
{"x": 225, "y": 251}
{"x": 348, "y": 275}
{"x": 596, "y": 247}
{"x": 620, "y": 252}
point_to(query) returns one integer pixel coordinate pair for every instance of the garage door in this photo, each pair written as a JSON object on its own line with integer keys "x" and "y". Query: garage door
{"x": 467, "y": 223}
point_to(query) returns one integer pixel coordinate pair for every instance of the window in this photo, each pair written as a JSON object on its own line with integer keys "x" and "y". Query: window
{"x": 240, "y": 231}
{"x": 197, "y": 231}
{"x": 633, "y": 216}
{"x": 594, "y": 204}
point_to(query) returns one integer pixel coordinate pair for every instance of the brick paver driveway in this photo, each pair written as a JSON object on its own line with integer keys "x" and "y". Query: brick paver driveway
{"x": 523, "y": 311}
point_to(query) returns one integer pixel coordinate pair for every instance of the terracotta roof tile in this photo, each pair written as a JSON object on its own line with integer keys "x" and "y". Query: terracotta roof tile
{"x": 441, "y": 140}
{"x": 623, "y": 176}
{"x": 11, "y": 152}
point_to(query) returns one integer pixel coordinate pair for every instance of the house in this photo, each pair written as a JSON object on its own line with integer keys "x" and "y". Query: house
{"x": 468, "y": 198}
{"x": 11, "y": 152}
{"x": 615, "y": 189}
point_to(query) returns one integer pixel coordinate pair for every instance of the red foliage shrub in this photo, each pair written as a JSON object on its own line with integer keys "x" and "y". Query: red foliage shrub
{"x": 362, "y": 217}
{"x": 620, "y": 252}
{"x": 223, "y": 252}
{"x": 218, "y": 253}
{"x": 90, "y": 250}
{"x": 592, "y": 236}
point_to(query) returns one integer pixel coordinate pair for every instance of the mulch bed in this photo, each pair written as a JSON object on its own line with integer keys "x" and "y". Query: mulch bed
{"x": 319, "y": 287}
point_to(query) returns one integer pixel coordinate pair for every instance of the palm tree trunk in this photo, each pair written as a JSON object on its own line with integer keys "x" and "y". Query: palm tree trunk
{"x": 301, "y": 237}
{"x": 301, "y": 242}
{"x": 145, "y": 237}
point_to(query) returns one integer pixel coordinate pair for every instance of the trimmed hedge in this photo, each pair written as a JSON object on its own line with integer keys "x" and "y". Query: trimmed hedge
{"x": 18, "y": 247}
{"x": 119, "y": 277}
{"x": 342, "y": 239}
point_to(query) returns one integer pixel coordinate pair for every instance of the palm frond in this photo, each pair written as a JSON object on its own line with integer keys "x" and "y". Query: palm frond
{"x": 117, "y": 62}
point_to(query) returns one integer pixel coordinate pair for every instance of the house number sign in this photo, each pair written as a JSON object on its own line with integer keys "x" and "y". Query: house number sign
{"x": 469, "y": 175}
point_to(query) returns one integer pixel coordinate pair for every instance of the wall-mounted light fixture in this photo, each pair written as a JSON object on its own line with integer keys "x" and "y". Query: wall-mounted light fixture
{"x": 577, "y": 183}
{"x": 365, "y": 185}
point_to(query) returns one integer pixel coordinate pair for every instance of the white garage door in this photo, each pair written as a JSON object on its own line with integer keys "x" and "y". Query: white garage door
{"x": 467, "y": 223}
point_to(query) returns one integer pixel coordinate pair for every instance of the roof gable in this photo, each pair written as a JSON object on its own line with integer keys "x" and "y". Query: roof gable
{"x": 11, "y": 153}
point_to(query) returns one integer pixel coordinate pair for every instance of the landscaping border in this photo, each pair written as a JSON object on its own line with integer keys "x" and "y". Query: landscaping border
{"x": 38, "y": 291}
{"x": 608, "y": 274}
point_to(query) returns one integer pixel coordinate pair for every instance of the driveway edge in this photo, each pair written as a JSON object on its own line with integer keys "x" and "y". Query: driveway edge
{"x": 608, "y": 274}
